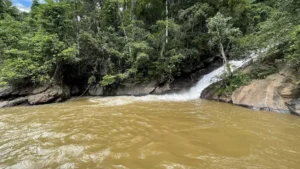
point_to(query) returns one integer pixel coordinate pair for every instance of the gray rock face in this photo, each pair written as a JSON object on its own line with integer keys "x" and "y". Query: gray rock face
{"x": 4, "y": 104}
{"x": 15, "y": 102}
{"x": 271, "y": 93}
{"x": 267, "y": 94}
{"x": 162, "y": 89}
{"x": 294, "y": 106}
{"x": 136, "y": 89}
{"x": 6, "y": 91}
{"x": 210, "y": 93}
{"x": 25, "y": 91}
{"x": 96, "y": 90}
{"x": 53, "y": 94}
{"x": 40, "y": 89}
{"x": 33, "y": 95}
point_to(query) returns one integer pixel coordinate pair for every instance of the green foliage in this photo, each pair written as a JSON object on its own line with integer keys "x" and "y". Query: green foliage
{"x": 222, "y": 31}
{"x": 123, "y": 76}
{"x": 230, "y": 83}
{"x": 293, "y": 55}
{"x": 259, "y": 70}
{"x": 91, "y": 80}
{"x": 7, "y": 8}
{"x": 35, "y": 58}
{"x": 108, "y": 80}
{"x": 223, "y": 35}
{"x": 10, "y": 32}
{"x": 3, "y": 84}
{"x": 116, "y": 41}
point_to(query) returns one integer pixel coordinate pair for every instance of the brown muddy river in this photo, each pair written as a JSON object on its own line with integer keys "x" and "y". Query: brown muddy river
{"x": 111, "y": 134}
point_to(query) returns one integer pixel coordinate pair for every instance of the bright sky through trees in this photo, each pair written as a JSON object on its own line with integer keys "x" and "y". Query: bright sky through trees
{"x": 23, "y": 5}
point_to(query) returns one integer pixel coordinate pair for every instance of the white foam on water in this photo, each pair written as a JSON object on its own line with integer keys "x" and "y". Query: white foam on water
{"x": 191, "y": 94}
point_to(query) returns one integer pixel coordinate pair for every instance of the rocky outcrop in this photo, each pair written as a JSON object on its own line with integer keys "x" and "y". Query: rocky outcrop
{"x": 12, "y": 92}
{"x": 294, "y": 106}
{"x": 40, "y": 89}
{"x": 53, "y": 94}
{"x": 6, "y": 92}
{"x": 270, "y": 94}
{"x": 273, "y": 93}
{"x": 136, "y": 89}
{"x": 33, "y": 95}
{"x": 210, "y": 93}
{"x": 185, "y": 82}
{"x": 96, "y": 90}
{"x": 162, "y": 89}
{"x": 15, "y": 102}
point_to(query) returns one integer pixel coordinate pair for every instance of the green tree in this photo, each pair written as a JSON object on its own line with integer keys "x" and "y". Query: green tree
{"x": 224, "y": 35}
{"x": 293, "y": 54}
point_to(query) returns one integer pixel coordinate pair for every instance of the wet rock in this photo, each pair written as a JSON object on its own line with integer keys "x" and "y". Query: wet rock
{"x": 136, "y": 89}
{"x": 6, "y": 91}
{"x": 96, "y": 90}
{"x": 15, "y": 102}
{"x": 3, "y": 104}
{"x": 22, "y": 91}
{"x": 26, "y": 91}
{"x": 294, "y": 106}
{"x": 185, "y": 82}
{"x": 273, "y": 93}
{"x": 66, "y": 94}
{"x": 162, "y": 89}
{"x": 210, "y": 93}
{"x": 267, "y": 94}
{"x": 40, "y": 89}
{"x": 53, "y": 94}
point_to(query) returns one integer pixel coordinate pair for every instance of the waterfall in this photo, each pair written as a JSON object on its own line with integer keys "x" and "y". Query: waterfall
{"x": 195, "y": 92}
{"x": 191, "y": 94}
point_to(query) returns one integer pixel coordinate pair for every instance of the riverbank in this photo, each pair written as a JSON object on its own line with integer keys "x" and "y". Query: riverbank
{"x": 277, "y": 92}
{"x": 44, "y": 94}
{"x": 265, "y": 95}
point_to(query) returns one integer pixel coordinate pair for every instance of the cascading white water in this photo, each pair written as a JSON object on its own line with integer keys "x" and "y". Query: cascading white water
{"x": 192, "y": 94}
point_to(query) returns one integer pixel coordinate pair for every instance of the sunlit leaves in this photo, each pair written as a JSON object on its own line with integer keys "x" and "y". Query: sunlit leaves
{"x": 222, "y": 31}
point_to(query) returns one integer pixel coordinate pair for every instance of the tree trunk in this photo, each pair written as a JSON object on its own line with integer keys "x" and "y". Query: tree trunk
{"x": 57, "y": 77}
{"x": 167, "y": 20}
{"x": 162, "y": 50}
{"x": 123, "y": 28}
{"x": 131, "y": 10}
{"x": 77, "y": 18}
{"x": 226, "y": 64}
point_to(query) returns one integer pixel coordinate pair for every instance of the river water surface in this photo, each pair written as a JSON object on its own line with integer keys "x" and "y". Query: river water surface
{"x": 92, "y": 133}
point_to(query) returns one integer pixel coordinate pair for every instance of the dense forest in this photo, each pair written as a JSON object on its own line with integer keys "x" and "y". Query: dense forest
{"x": 109, "y": 42}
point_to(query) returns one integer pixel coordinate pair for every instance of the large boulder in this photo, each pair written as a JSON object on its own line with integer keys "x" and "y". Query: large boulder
{"x": 267, "y": 94}
{"x": 52, "y": 94}
{"x": 15, "y": 102}
{"x": 274, "y": 93}
{"x": 96, "y": 90}
{"x": 40, "y": 89}
{"x": 210, "y": 93}
{"x": 25, "y": 91}
{"x": 136, "y": 89}
{"x": 162, "y": 89}
{"x": 294, "y": 106}
{"x": 6, "y": 92}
